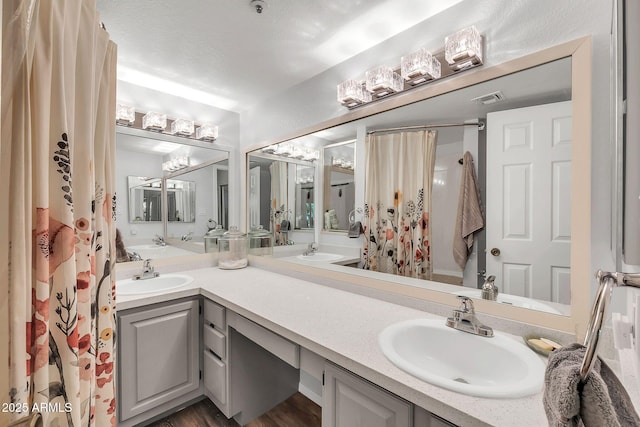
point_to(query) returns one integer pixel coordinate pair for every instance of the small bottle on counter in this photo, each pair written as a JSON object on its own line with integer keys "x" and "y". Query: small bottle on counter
{"x": 233, "y": 248}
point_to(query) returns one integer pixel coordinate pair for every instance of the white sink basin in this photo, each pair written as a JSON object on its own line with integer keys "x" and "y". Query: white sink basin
{"x": 321, "y": 257}
{"x": 162, "y": 283}
{"x": 497, "y": 367}
{"x": 514, "y": 300}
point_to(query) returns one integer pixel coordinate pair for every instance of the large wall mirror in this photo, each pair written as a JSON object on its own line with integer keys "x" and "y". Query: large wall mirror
{"x": 530, "y": 142}
{"x": 164, "y": 213}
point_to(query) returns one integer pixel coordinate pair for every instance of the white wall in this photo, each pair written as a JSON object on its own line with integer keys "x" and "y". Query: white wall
{"x": 512, "y": 29}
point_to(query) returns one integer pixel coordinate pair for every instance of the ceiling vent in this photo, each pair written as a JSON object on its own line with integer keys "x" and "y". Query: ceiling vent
{"x": 489, "y": 98}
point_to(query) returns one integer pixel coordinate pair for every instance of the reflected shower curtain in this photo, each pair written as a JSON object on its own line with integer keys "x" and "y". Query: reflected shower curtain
{"x": 399, "y": 175}
{"x": 58, "y": 151}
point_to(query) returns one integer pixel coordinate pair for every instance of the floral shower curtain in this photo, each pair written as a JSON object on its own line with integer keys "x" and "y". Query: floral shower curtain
{"x": 399, "y": 176}
{"x": 58, "y": 151}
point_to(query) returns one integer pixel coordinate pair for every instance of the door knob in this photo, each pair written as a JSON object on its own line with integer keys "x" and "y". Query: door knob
{"x": 495, "y": 252}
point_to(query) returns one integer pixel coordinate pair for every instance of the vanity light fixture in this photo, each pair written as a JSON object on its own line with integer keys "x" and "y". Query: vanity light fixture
{"x": 176, "y": 163}
{"x": 382, "y": 81}
{"x": 182, "y": 127}
{"x": 419, "y": 67}
{"x": 351, "y": 93}
{"x": 154, "y": 121}
{"x": 285, "y": 150}
{"x": 310, "y": 154}
{"x": 463, "y": 49}
{"x": 207, "y": 132}
{"x": 271, "y": 149}
{"x": 125, "y": 115}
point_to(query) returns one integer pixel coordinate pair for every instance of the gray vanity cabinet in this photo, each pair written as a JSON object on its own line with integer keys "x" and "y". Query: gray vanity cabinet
{"x": 158, "y": 359}
{"x": 214, "y": 337}
{"x": 350, "y": 401}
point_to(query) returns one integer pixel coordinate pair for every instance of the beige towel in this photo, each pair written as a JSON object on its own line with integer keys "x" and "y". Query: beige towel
{"x": 469, "y": 218}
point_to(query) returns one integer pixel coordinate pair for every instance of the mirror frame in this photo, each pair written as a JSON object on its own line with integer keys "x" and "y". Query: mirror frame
{"x": 580, "y": 51}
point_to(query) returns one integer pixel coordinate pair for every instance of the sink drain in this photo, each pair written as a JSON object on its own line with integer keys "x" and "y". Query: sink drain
{"x": 461, "y": 380}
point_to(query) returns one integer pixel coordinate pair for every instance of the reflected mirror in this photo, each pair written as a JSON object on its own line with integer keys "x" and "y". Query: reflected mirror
{"x": 305, "y": 205}
{"x": 196, "y": 196}
{"x": 339, "y": 185}
{"x": 523, "y": 163}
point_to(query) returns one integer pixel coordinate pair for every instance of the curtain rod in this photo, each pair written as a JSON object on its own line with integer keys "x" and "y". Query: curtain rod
{"x": 442, "y": 125}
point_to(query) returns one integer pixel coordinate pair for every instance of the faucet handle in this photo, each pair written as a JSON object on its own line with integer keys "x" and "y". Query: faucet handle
{"x": 466, "y": 304}
{"x": 147, "y": 263}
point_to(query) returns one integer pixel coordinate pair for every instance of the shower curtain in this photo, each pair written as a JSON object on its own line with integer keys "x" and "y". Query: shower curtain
{"x": 58, "y": 211}
{"x": 399, "y": 175}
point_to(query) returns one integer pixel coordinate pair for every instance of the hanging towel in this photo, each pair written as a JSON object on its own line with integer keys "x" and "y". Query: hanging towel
{"x": 469, "y": 217}
{"x": 355, "y": 229}
{"x": 600, "y": 401}
{"x": 285, "y": 225}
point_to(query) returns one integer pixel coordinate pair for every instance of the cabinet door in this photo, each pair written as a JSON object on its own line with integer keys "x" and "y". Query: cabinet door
{"x": 159, "y": 356}
{"x": 350, "y": 401}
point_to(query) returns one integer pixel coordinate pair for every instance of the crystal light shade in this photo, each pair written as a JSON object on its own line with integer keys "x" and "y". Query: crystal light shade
{"x": 310, "y": 154}
{"x": 351, "y": 93}
{"x": 182, "y": 127}
{"x": 125, "y": 115}
{"x": 154, "y": 121}
{"x": 419, "y": 67}
{"x": 383, "y": 81}
{"x": 463, "y": 49}
{"x": 207, "y": 133}
{"x": 176, "y": 164}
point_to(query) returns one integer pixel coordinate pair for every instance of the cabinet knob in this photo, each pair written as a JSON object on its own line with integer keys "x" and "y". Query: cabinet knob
{"x": 495, "y": 252}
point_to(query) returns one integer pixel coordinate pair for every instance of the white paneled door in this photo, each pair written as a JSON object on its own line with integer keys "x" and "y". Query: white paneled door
{"x": 529, "y": 201}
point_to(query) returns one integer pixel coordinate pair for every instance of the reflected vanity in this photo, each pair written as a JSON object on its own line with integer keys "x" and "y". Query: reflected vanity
{"x": 514, "y": 201}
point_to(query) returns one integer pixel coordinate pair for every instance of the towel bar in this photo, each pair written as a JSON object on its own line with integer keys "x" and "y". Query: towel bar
{"x": 607, "y": 281}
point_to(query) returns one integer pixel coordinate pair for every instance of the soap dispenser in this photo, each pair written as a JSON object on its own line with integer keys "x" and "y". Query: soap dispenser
{"x": 489, "y": 289}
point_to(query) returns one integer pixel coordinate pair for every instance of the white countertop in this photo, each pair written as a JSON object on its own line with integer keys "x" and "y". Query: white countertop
{"x": 343, "y": 327}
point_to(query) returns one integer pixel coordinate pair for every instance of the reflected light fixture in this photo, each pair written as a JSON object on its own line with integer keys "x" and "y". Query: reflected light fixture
{"x": 154, "y": 121}
{"x": 125, "y": 115}
{"x": 176, "y": 164}
{"x": 352, "y": 93}
{"x": 419, "y": 67}
{"x": 182, "y": 127}
{"x": 382, "y": 81}
{"x": 463, "y": 49}
{"x": 207, "y": 132}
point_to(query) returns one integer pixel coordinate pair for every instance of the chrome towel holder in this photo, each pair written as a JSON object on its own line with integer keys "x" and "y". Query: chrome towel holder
{"x": 607, "y": 281}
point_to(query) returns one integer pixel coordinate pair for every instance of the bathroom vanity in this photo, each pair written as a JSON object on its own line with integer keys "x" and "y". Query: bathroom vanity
{"x": 295, "y": 329}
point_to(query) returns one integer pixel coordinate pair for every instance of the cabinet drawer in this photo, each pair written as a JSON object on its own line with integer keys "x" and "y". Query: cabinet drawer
{"x": 275, "y": 344}
{"x": 214, "y": 314}
{"x": 214, "y": 340}
{"x": 215, "y": 378}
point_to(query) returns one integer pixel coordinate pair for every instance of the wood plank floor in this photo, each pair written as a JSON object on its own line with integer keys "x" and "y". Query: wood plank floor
{"x": 296, "y": 411}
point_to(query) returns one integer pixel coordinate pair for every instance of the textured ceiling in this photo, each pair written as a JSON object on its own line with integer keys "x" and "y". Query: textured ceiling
{"x": 222, "y": 53}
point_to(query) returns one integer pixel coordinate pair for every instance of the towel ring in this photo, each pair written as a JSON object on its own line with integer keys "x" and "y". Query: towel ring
{"x": 352, "y": 215}
{"x": 607, "y": 281}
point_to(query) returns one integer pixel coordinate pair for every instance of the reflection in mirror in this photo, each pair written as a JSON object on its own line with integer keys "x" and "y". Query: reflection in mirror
{"x": 339, "y": 185}
{"x": 304, "y": 198}
{"x": 206, "y": 185}
{"x": 140, "y": 218}
{"x": 515, "y": 205}
{"x": 145, "y": 199}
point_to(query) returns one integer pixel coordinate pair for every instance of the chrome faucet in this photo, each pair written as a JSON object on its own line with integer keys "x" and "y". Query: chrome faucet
{"x": 187, "y": 237}
{"x": 134, "y": 256}
{"x": 148, "y": 272}
{"x": 489, "y": 289}
{"x": 159, "y": 240}
{"x": 464, "y": 319}
{"x": 311, "y": 249}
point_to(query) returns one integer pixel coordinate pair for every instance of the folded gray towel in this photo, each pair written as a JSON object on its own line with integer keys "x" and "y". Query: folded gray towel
{"x": 355, "y": 229}
{"x": 600, "y": 401}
